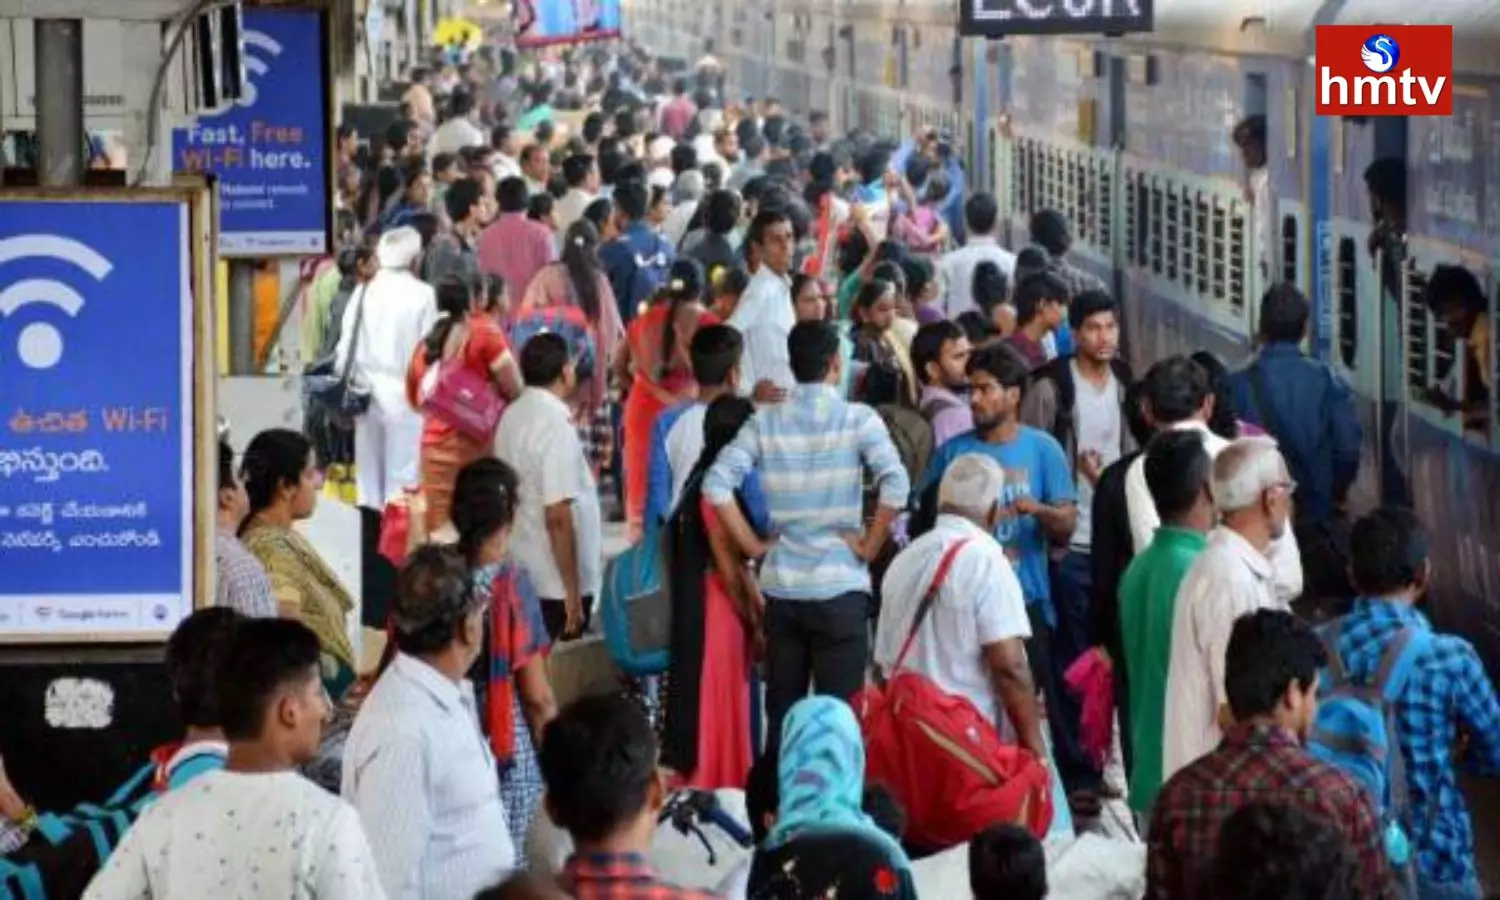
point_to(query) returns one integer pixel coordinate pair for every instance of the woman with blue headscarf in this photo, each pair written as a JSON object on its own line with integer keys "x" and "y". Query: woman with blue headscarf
{"x": 823, "y": 843}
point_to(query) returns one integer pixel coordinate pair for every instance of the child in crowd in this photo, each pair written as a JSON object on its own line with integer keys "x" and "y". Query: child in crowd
{"x": 1007, "y": 862}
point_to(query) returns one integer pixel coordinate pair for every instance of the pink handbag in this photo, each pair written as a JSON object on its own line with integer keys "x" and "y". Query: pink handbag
{"x": 465, "y": 399}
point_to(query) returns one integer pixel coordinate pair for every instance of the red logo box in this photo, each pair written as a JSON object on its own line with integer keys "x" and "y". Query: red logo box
{"x": 1384, "y": 70}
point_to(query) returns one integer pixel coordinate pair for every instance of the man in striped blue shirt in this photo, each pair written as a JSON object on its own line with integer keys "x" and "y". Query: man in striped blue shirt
{"x": 811, "y": 451}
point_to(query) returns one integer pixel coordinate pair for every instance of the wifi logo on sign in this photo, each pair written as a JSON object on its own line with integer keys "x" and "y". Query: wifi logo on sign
{"x": 40, "y": 344}
{"x": 254, "y": 65}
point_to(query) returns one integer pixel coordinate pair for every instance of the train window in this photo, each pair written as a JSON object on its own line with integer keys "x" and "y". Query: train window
{"x": 1188, "y": 238}
{"x": 1346, "y": 283}
{"x": 1156, "y": 221}
{"x": 1171, "y": 235}
{"x": 1291, "y": 249}
{"x": 1102, "y": 202}
{"x": 1219, "y": 273}
{"x": 1418, "y": 334}
{"x": 1238, "y": 279}
{"x": 1203, "y": 243}
{"x": 1137, "y": 209}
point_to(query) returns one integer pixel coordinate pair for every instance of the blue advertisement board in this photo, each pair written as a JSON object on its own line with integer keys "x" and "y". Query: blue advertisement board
{"x": 543, "y": 22}
{"x": 96, "y": 408}
{"x": 270, "y": 148}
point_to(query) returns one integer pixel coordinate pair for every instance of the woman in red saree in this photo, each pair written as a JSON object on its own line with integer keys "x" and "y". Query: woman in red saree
{"x": 654, "y": 361}
{"x": 466, "y": 330}
{"x": 577, "y": 279}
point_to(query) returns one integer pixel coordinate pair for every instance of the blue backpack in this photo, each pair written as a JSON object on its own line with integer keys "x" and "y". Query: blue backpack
{"x": 1355, "y": 730}
{"x": 637, "y": 608}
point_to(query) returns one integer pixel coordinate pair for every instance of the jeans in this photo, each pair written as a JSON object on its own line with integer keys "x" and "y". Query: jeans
{"x": 818, "y": 644}
{"x": 1072, "y": 584}
{"x": 1072, "y": 767}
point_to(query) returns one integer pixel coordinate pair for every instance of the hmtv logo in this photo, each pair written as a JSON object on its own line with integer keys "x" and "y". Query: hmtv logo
{"x": 1385, "y": 70}
{"x": 40, "y": 344}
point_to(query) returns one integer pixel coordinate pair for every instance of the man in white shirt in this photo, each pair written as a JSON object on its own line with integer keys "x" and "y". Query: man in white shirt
{"x": 972, "y": 641}
{"x": 582, "y": 175}
{"x": 461, "y": 130}
{"x": 981, "y": 213}
{"x": 383, "y": 323}
{"x": 256, "y": 828}
{"x": 557, "y": 536}
{"x": 506, "y": 162}
{"x": 416, "y": 764}
{"x": 1177, "y": 395}
{"x": 764, "y": 315}
{"x": 1250, "y": 136}
{"x": 1231, "y": 577}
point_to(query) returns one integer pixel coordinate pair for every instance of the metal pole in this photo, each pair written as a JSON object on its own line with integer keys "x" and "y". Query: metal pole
{"x": 59, "y": 102}
{"x": 241, "y": 317}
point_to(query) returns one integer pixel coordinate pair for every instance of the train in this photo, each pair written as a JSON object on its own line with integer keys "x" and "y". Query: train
{"x": 1130, "y": 136}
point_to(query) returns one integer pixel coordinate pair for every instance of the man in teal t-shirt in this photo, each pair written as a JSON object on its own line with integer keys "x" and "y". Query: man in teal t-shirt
{"x": 1177, "y": 469}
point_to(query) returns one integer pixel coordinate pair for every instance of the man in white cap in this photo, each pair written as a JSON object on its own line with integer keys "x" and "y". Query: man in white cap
{"x": 382, "y": 325}
{"x": 972, "y": 641}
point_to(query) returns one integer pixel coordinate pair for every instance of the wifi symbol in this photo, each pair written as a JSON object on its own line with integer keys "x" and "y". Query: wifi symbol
{"x": 254, "y": 65}
{"x": 40, "y": 344}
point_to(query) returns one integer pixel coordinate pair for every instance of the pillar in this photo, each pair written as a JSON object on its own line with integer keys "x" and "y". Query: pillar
{"x": 242, "y": 317}
{"x": 61, "y": 140}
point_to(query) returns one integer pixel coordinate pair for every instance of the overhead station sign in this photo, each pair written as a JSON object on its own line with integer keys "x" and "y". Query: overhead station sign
{"x": 1002, "y": 18}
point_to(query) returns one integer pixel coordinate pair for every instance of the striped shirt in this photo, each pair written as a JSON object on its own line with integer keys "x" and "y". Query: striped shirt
{"x": 421, "y": 775}
{"x": 810, "y": 451}
{"x": 241, "y": 582}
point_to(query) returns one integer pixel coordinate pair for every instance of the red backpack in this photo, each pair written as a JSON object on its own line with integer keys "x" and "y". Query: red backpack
{"x": 942, "y": 758}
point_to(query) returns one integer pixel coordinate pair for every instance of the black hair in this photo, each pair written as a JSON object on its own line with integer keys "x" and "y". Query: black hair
{"x": 713, "y": 176}
{"x": 441, "y": 162}
{"x": 722, "y": 422}
{"x": 499, "y": 135}
{"x": 397, "y": 134}
{"x": 632, "y": 199}
{"x": 576, "y": 168}
{"x": 345, "y": 130}
{"x": 1175, "y": 388}
{"x": 684, "y": 285}
{"x": 1007, "y": 862}
{"x": 625, "y": 124}
{"x": 1001, "y": 362}
{"x": 461, "y": 198}
{"x": 721, "y": 212}
{"x": 598, "y": 759}
{"x": 544, "y": 132}
{"x": 1282, "y": 851}
{"x": 684, "y": 158}
{"x": 454, "y": 295}
{"x": 460, "y": 103}
{"x": 544, "y": 357}
{"x": 1283, "y": 314}
{"x": 597, "y": 213}
{"x": 919, "y": 273}
{"x": 425, "y": 224}
{"x": 659, "y": 195}
{"x": 1177, "y": 467}
{"x": 1386, "y": 180}
{"x": 580, "y": 256}
{"x": 885, "y": 809}
{"x": 1030, "y": 261}
{"x": 434, "y": 594}
{"x": 226, "y": 467}
{"x": 1036, "y": 289}
{"x": 927, "y": 344}
{"x": 980, "y": 212}
{"x": 1090, "y": 303}
{"x": 512, "y": 194}
{"x": 275, "y": 459}
{"x": 715, "y": 351}
{"x": 812, "y": 346}
{"x": 1452, "y": 284}
{"x": 192, "y": 658}
{"x": 1250, "y": 129}
{"x": 1224, "y": 422}
{"x": 774, "y": 130}
{"x": 873, "y": 163}
{"x": 1388, "y": 550}
{"x": 988, "y": 286}
{"x": 593, "y": 127}
{"x": 852, "y": 251}
{"x": 1268, "y": 651}
{"x": 764, "y": 220}
{"x": 1135, "y": 414}
{"x": 263, "y": 657}
{"x": 731, "y": 281}
{"x": 977, "y": 326}
{"x": 484, "y": 501}
{"x": 540, "y": 206}
{"x": 762, "y": 795}
{"x": 1049, "y": 230}
{"x": 611, "y": 161}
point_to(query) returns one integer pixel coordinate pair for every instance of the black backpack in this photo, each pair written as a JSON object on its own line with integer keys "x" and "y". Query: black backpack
{"x": 1060, "y": 372}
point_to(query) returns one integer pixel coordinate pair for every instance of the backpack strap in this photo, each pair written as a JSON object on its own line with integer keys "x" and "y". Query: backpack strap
{"x": 23, "y": 879}
{"x": 929, "y": 599}
{"x": 1397, "y": 662}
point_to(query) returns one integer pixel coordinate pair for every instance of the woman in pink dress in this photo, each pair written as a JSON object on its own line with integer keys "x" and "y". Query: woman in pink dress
{"x": 716, "y": 625}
